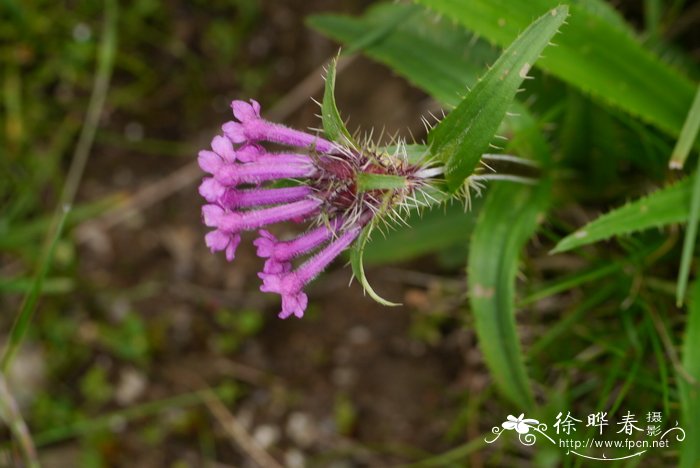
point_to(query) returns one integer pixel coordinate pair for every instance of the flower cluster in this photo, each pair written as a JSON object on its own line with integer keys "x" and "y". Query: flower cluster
{"x": 315, "y": 182}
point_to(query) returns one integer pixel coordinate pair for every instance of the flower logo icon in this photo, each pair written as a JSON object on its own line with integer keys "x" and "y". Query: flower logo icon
{"x": 521, "y": 425}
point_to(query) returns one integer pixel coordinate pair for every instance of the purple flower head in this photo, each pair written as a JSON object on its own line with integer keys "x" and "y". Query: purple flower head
{"x": 323, "y": 188}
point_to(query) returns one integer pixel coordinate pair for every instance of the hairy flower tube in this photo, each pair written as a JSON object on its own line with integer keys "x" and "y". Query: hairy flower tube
{"x": 335, "y": 189}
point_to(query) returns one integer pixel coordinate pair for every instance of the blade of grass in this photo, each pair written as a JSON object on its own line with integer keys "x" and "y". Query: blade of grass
{"x": 24, "y": 285}
{"x": 134, "y": 412}
{"x": 19, "y": 327}
{"x": 453, "y": 456}
{"x": 688, "y": 134}
{"x": 690, "y": 391}
{"x": 103, "y": 74}
{"x": 30, "y": 232}
{"x": 105, "y": 62}
{"x": 691, "y": 232}
{"x": 570, "y": 282}
{"x": 661, "y": 363}
{"x": 569, "y": 320}
{"x": 11, "y": 414}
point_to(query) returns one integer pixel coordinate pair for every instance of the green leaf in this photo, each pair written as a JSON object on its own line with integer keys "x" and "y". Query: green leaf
{"x": 23, "y": 319}
{"x": 333, "y": 126}
{"x": 464, "y": 135}
{"x": 595, "y": 55}
{"x": 358, "y": 269}
{"x": 430, "y": 231}
{"x": 689, "y": 385}
{"x": 506, "y": 222}
{"x": 436, "y": 57}
{"x": 665, "y": 206}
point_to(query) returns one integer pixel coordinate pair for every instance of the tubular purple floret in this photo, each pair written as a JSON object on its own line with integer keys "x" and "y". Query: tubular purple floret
{"x": 232, "y": 198}
{"x": 290, "y": 284}
{"x": 252, "y": 128}
{"x": 237, "y": 221}
{"x": 257, "y": 172}
{"x": 218, "y": 240}
{"x": 278, "y": 254}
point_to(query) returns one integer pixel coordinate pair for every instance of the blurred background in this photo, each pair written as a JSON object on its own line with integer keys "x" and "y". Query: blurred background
{"x": 147, "y": 350}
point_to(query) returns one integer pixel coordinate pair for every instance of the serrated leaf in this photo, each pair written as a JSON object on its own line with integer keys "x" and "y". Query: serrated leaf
{"x": 432, "y": 55}
{"x": 597, "y": 55}
{"x": 356, "y": 262}
{"x": 665, "y": 206}
{"x": 464, "y": 135}
{"x": 506, "y": 222}
{"x": 333, "y": 126}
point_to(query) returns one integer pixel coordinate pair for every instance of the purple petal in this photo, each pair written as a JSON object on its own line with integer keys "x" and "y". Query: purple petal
{"x": 209, "y": 161}
{"x": 224, "y": 148}
{"x": 246, "y": 112}
{"x": 231, "y": 248}
{"x": 293, "y": 304}
{"x": 249, "y": 152}
{"x": 271, "y": 282}
{"x": 217, "y": 240}
{"x": 211, "y": 189}
{"x": 212, "y": 215}
{"x": 235, "y": 132}
{"x": 276, "y": 267}
{"x": 265, "y": 244}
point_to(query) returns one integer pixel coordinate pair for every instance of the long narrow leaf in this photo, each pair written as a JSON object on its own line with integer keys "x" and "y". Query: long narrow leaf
{"x": 507, "y": 221}
{"x": 464, "y": 135}
{"x": 19, "y": 327}
{"x": 595, "y": 55}
{"x": 440, "y": 59}
{"x": 333, "y": 126}
{"x": 666, "y": 206}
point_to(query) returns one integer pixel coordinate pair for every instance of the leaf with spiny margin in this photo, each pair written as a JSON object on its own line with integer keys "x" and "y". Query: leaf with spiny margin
{"x": 665, "y": 206}
{"x": 598, "y": 55}
{"x": 333, "y": 126}
{"x": 464, "y": 135}
{"x": 507, "y": 220}
{"x": 356, "y": 262}
{"x": 436, "y": 57}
